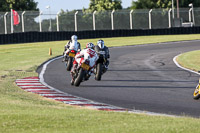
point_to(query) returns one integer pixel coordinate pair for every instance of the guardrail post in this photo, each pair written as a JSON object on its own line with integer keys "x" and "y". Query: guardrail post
{"x": 112, "y": 19}
{"x": 150, "y": 18}
{"x": 57, "y": 20}
{"x": 190, "y": 18}
{"x": 131, "y": 19}
{"x": 40, "y": 21}
{"x": 5, "y": 22}
{"x": 23, "y": 21}
{"x": 75, "y": 18}
{"x": 11, "y": 26}
{"x": 193, "y": 15}
{"x": 192, "y": 8}
{"x": 94, "y": 26}
{"x": 169, "y": 16}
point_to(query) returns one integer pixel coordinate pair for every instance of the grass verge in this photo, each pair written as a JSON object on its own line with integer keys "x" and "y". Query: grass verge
{"x": 26, "y": 112}
{"x": 190, "y": 60}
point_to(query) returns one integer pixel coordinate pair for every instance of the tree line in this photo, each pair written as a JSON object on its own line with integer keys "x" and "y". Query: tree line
{"x": 99, "y": 5}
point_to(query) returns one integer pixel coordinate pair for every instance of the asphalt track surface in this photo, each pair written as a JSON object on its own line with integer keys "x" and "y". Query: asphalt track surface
{"x": 142, "y": 77}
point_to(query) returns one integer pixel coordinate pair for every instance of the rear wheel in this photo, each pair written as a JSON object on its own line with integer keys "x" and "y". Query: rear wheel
{"x": 69, "y": 63}
{"x": 79, "y": 78}
{"x": 72, "y": 82}
{"x": 98, "y": 72}
{"x": 196, "y": 94}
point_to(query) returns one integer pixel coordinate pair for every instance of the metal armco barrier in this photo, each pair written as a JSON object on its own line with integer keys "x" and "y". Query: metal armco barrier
{"x": 27, "y": 37}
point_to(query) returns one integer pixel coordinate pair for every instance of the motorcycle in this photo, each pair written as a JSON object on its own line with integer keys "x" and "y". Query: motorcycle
{"x": 81, "y": 73}
{"x": 100, "y": 67}
{"x": 70, "y": 59}
{"x": 196, "y": 94}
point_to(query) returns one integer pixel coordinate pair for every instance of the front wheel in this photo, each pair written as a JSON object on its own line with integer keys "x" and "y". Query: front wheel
{"x": 79, "y": 78}
{"x": 196, "y": 94}
{"x": 98, "y": 71}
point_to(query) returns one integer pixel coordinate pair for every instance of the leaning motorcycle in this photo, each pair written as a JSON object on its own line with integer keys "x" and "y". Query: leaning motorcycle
{"x": 81, "y": 72}
{"x": 100, "y": 68}
{"x": 196, "y": 94}
{"x": 70, "y": 59}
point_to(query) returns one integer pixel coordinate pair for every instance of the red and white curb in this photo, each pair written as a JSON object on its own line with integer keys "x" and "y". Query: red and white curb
{"x": 33, "y": 84}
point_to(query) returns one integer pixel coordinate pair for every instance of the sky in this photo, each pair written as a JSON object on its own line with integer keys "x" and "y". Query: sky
{"x": 57, "y": 5}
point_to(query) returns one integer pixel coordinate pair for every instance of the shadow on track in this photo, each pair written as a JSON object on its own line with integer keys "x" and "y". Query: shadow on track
{"x": 164, "y": 81}
{"x": 135, "y": 87}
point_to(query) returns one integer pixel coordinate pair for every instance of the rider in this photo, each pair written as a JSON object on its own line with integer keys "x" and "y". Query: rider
{"x": 101, "y": 47}
{"x": 88, "y": 53}
{"x": 72, "y": 44}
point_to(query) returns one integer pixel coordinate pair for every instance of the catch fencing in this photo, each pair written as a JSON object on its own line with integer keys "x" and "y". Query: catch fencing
{"x": 31, "y": 21}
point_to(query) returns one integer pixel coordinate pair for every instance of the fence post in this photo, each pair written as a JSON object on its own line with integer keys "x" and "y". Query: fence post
{"x": 23, "y": 21}
{"x": 57, "y": 19}
{"x": 5, "y": 23}
{"x": 190, "y": 19}
{"x": 40, "y": 21}
{"x": 169, "y": 16}
{"x": 11, "y": 23}
{"x": 150, "y": 19}
{"x": 75, "y": 18}
{"x": 94, "y": 26}
{"x": 131, "y": 20}
{"x": 193, "y": 15}
{"x": 112, "y": 19}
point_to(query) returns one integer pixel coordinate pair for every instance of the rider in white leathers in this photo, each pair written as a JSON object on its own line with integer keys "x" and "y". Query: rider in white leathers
{"x": 90, "y": 54}
{"x": 72, "y": 44}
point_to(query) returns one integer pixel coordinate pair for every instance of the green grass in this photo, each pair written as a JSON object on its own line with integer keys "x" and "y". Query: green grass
{"x": 26, "y": 112}
{"x": 190, "y": 60}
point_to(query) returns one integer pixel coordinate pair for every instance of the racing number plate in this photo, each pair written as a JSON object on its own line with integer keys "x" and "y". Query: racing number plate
{"x": 85, "y": 66}
{"x": 72, "y": 54}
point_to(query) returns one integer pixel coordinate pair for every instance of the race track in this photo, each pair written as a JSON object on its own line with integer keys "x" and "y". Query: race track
{"x": 140, "y": 77}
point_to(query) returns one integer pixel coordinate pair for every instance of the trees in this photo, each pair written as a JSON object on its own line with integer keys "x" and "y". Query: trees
{"x": 101, "y": 5}
{"x": 18, "y": 5}
{"x": 151, "y": 4}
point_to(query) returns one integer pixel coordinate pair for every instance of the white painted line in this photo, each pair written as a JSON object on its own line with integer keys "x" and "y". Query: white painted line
{"x": 104, "y": 107}
{"x": 30, "y": 84}
{"x": 27, "y": 80}
{"x": 36, "y": 90}
{"x": 33, "y": 86}
{"x": 74, "y": 102}
{"x": 52, "y": 94}
{"x": 65, "y": 98}
{"x": 178, "y": 65}
{"x": 75, "y": 99}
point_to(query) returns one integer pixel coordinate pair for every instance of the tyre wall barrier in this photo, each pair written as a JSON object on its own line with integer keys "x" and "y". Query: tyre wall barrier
{"x": 28, "y": 37}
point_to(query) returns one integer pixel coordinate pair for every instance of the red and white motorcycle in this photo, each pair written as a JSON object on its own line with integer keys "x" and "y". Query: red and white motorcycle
{"x": 81, "y": 73}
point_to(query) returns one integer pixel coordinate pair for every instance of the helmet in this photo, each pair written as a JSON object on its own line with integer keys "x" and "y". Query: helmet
{"x": 90, "y": 45}
{"x": 74, "y": 38}
{"x": 100, "y": 43}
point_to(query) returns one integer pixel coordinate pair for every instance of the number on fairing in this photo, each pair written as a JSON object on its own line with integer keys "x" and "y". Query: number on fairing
{"x": 91, "y": 53}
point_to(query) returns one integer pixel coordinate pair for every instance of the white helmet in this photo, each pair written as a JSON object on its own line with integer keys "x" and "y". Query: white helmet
{"x": 100, "y": 43}
{"x": 74, "y": 38}
{"x": 90, "y": 45}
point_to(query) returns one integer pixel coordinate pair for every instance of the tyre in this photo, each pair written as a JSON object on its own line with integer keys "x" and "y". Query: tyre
{"x": 69, "y": 64}
{"x": 72, "y": 82}
{"x": 196, "y": 94}
{"x": 98, "y": 72}
{"x": 79, "y": 78}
